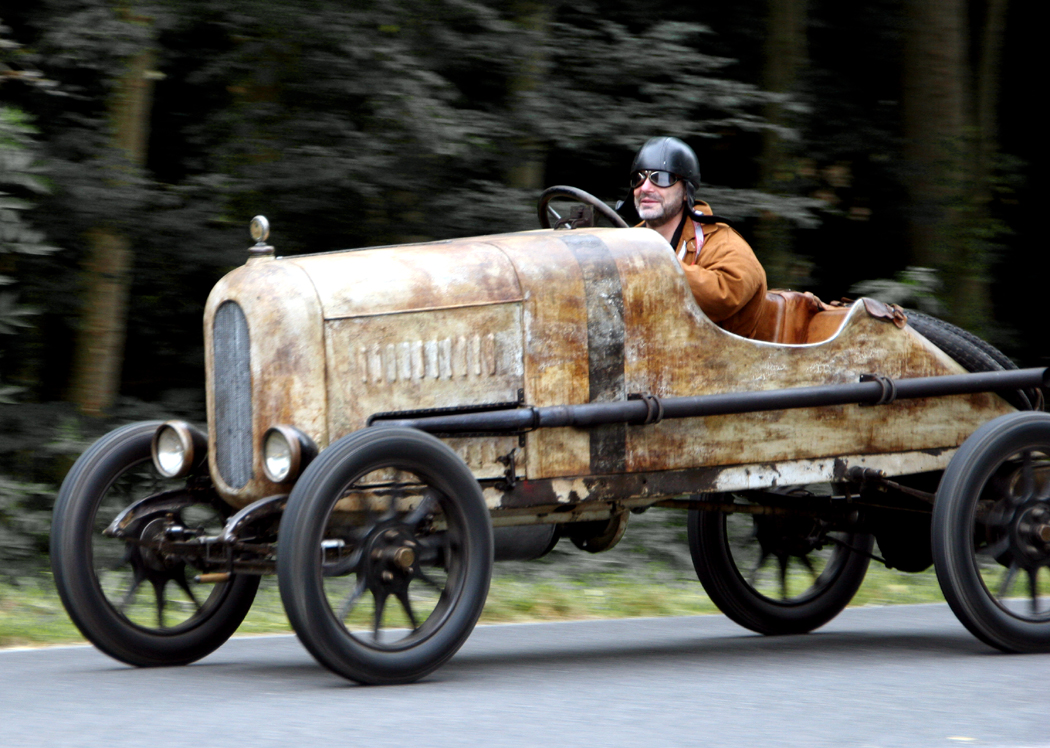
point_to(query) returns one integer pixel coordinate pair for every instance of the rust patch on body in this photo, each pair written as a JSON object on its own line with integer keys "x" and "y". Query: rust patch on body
{"x": 286, "y": 360}
{"x": 388, "y": 280}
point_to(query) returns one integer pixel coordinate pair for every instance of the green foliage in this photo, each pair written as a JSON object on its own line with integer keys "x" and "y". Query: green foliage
{"x": 25, "y": 521}
{"x": 19, "y": 171}
{"x": 21, "y": 175}
{"x": 408, "y": 115}
{"x": 913, "y": 287}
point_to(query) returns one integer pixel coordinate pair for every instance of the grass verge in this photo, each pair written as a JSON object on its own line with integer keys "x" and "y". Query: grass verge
{"x": 32, "y": 615}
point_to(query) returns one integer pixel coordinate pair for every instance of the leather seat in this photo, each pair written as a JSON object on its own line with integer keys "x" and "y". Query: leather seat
{"x": 794, "y": 317}
{"x": 825, "y": 324}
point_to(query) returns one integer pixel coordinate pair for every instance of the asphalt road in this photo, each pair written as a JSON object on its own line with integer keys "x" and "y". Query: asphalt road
{"x": 895, "y": 676}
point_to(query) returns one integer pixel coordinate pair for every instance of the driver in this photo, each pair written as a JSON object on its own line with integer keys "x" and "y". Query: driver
{"x": 724, "y": 275}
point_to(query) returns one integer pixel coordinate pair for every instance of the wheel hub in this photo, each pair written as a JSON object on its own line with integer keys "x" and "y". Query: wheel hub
{"x": 391, "y": 556}
{"x": 1027, "y": 530}
{"x": 788, "y": 536}
{"x": 1032, "y": 533}
{"x": 149, "y": 545}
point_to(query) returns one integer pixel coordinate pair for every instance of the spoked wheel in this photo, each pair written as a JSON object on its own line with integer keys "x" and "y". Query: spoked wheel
{"x": 991, "y": 533}
{"x": 385, "y": 555}
{"x": 132, "y": 596}
{"x": 776, "y": 575}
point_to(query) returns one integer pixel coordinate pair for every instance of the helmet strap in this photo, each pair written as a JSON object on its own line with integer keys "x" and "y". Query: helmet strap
{"x": 677, "y": 237}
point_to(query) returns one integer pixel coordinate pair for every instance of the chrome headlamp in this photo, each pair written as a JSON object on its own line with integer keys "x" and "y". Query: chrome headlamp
{"x": 177, "y": 447}
{"x": 286, "y": 453}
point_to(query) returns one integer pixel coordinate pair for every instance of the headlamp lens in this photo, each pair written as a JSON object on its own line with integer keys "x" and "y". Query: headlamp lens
{"x": 171, "y": 454}
{"x": 277, "y": 456}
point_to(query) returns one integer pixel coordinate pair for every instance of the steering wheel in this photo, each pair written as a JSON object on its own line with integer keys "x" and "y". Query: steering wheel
{"x": 545, "y": 212}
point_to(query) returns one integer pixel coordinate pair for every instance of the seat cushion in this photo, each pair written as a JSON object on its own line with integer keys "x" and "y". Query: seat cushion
{"x": 771, "y": 321}
{"x": 825, "y": 324}
{"x": 786, "y": 316}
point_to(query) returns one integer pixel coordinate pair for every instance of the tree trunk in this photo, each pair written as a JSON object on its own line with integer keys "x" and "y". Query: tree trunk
{"x": 939, "y": 152}
{"x": 100, "y": 343}
{"x": 988, "y": 95}
{"x": 107, "y": 270}
{"x": 786, "y": 54}
{"x": 528, "y": 161}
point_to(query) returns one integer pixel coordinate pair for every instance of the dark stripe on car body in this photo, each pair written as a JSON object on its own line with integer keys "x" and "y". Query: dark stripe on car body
{"x": 605, "y": 345}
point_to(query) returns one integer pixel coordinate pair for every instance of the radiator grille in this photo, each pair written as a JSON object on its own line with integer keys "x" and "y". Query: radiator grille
{"x": 232, "y": 380}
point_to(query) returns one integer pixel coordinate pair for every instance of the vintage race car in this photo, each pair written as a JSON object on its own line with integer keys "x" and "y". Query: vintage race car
{"x": 384, "y": 422}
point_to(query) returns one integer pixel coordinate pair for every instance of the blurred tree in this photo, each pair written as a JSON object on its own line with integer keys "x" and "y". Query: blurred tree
{"x": 950, "y": 96}
{"x": 21, "y": 177}
{"x": 525, "y": 167}
{"x": 935, "y": 125}
{"x": 107, "y": 270}
{"x": 24, "y": 506}
{"x": 989, "y": 72}
{"x": 424, "y": 120}
{"x": 785, "y": 59}
{"x": 414, "y": 119}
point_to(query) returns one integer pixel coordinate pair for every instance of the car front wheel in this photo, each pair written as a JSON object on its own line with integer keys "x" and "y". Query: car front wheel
{"x": 385, "y": 555}
{"x": 132, "y": 595}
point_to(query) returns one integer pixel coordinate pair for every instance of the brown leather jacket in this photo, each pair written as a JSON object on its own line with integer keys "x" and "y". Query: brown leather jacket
{"x": 728, "y": 280}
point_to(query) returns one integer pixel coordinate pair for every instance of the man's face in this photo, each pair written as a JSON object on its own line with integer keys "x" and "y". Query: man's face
{"x": 659, "y": 205}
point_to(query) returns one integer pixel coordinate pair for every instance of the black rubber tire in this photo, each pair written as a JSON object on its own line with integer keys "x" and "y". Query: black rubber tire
{"x": 970, "y": 352}
{"x": 921, "y": 319}
{"x": 72, "y": 562}
{"x": 969, "y": 478}
{"x": 299, "y": 564}
{"x": 728, "y": 589}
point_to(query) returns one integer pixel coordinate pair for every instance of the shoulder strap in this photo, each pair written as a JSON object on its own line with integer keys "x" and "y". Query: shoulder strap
{"x": 699, "y": 230}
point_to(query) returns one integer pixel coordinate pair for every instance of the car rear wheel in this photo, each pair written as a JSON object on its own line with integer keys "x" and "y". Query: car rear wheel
{"x": 132, "y": 596}
{"x": 991, "y": 533}
{"x": 773, "y": 574}
{"x": 385, "y": 555}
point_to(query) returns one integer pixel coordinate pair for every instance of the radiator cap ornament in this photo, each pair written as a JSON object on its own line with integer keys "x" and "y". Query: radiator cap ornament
{"x": 260, "y": 231}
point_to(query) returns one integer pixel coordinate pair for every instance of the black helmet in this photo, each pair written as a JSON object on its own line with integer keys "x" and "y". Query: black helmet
{"x": 669, "y": 154}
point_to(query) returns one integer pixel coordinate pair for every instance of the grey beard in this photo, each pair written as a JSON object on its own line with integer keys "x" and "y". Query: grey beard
{"x": 664, "y": 218}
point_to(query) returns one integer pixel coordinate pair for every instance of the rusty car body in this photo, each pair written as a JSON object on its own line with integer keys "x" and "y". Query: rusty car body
{"x": 382, "y": 422}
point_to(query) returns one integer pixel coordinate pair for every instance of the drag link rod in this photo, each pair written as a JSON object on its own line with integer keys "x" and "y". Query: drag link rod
{"x": 875, "y": 390}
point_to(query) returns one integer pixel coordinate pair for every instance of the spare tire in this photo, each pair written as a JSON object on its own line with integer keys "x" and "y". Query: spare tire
{"x": 972, "y": 353}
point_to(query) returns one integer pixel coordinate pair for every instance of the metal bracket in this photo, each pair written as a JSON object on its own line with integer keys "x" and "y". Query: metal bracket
{"x": 655, "y": 408}
{"x": 860, "y": 474}
{"x": 580, "y": 216}
{"x": 889, "y": 388}
{"x": 510, "y": 475}
{"x": 168, "y": 502}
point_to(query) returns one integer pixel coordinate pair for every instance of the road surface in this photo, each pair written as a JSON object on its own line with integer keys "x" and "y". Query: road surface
{"x": 893, "y": 676}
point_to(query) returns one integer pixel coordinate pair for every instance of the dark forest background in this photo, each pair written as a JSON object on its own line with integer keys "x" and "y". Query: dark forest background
{"x": 887, "y": 147}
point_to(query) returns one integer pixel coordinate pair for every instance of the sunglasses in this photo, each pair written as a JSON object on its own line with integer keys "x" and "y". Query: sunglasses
{"x": 657, "y": 177}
